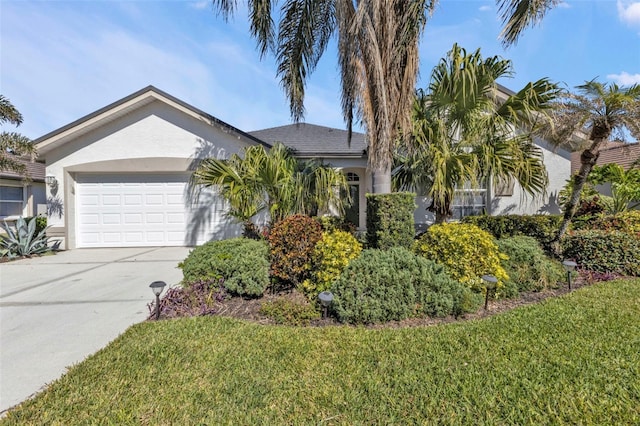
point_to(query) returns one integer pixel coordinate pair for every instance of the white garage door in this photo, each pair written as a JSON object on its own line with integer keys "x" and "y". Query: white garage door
{"x": 131, "y": 210}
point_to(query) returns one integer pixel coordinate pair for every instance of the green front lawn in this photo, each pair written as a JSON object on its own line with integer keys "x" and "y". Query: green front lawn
{"x": 570, "y": 360}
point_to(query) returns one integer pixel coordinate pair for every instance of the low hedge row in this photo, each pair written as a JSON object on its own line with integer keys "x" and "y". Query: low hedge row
{"x": 604, "y": 251}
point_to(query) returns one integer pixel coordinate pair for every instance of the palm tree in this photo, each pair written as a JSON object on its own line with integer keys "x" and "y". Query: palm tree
{"x": 464, "y": 134}
{"x": 377, "y": 54}
{"x": 273, "y": 181}
{"x": 597, "y": 110}
{"x": 13, "y": 145}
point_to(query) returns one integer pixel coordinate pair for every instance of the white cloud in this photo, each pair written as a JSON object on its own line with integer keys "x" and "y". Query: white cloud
{"x": 624, "y": 78}
{"x": 200, "y": 5}
{"x": 484, "y": 8}
{"x": 564, "y": 5}
{"x": 629, "y": 12}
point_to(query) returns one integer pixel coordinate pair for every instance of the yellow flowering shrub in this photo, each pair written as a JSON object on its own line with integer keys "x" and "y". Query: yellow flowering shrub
{"x": 466, "y": 251}
{"x": 331, "y": 256}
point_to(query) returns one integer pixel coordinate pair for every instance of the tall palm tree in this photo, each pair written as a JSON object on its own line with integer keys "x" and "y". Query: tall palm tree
{"x": 463, "y": 133}
{"x": 598, "y": 110}
{"x": 12, "y": 144}
{"x": 273, "y": 181}
{"x": 377, "y": 54}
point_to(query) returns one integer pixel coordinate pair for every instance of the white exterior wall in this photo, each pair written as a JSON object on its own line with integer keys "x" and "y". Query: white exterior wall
{"x": 558, "y": 164}
{"x": 155, "y": 138}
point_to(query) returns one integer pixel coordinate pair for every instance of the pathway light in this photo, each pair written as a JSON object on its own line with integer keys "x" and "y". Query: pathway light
{"x": 157, "y": 287}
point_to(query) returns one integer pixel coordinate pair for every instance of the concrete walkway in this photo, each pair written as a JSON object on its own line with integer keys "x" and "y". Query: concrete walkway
{"x": 57, "y": 310}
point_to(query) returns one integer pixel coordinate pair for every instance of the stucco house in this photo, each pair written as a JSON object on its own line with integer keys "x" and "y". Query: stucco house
{"x": 120, "y": 176}
{"x": 20, "y": 196}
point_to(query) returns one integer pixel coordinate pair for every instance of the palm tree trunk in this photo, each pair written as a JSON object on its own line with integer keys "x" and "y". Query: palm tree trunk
{"x": 382, "y": 180}
{"x": 588, "y": 159}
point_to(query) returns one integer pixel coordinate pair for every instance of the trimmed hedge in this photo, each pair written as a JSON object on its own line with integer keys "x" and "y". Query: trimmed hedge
{"x": 541, "y": 227}
{"x": 390, "y": 221}
{"x": 394, "y": 284}
{"x": 242, "y": 263}
{"x": 628, "y": 222}
{"x": 603, "y": 251}
{"x": 291, "y": 244}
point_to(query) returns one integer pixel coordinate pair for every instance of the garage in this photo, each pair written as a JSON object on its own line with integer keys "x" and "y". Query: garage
{"x": 118, "y": 177}
{"x": 135, "y": 210}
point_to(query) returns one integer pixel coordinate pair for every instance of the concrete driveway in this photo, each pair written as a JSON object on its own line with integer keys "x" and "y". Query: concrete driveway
{"x": 57, "y": 310}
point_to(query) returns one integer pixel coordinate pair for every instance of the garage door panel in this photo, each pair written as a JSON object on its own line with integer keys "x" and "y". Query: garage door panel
{"x": 146, "y": 210}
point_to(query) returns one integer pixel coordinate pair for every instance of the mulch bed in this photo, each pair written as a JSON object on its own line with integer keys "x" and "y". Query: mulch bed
{"x": 248, "y": 309}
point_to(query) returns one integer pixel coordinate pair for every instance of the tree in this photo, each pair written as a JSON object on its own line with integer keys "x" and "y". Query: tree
{"x": 463, "y": 133}
{"x": 13, "y": 145}
{"x": 273, "y": 181}
{"x": 377, "y": 55}
{"x": 598, "y": 110}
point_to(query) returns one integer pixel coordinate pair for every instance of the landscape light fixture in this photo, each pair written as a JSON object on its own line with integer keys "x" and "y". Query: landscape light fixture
{"x": 490, "y": 284}
{"x": 326, "y": 297}
{"x": 569, "y": 266}
{"x": 157, "y": 287}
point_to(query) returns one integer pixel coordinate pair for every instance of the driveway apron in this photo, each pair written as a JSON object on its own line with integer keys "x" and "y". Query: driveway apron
{"x": 57, "y": 310}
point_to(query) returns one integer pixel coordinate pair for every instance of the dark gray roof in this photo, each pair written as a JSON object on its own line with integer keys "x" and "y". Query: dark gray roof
{"x": 310, "y": 140}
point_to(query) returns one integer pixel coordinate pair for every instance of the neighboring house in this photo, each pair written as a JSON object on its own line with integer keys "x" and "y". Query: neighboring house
{"x": 21, "y": 197}
{"x": 624, "y": 154}
{"x": 613, "y": 152}
{"x": 120, "y": 176}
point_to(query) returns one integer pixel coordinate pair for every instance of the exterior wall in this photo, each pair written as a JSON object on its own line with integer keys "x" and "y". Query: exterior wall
{"x": 154, "y": 138}
{"x": 558, "y": 164}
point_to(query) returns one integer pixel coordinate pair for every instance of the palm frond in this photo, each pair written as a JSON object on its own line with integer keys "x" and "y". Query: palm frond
{"x": 516, "y": 15}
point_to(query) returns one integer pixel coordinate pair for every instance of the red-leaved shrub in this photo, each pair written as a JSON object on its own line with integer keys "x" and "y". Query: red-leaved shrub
{"x": 291, "y": 244}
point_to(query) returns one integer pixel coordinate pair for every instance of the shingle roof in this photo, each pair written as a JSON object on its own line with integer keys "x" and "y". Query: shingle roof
{"x": 310, "y": 140}
{"x": 36, "y": 171}
{"x": 623, "y": 154}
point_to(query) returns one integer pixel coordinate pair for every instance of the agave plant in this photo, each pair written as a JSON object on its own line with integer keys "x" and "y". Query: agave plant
{"x": 22, "y": 240}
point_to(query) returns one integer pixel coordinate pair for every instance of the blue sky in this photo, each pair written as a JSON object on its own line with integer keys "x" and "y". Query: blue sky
{"x": 60, "y": 60}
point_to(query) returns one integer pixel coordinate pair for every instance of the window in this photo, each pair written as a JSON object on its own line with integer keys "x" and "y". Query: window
{"x": 469, "y": 201}
{"x": 11, "y": 201}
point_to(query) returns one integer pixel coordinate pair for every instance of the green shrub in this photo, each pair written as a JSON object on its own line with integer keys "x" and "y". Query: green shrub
{"x": 390, "y": 221}
{"x": 466, "y": 251}
{"x": 335, "y": 223}
{"x": 394, "y": 284}
{"x": 242, "y": 262}
{"x": 330, "y": 257}
{"x": 603, "y": 251}
{"x": 291, "y": 244}
{"x": 41, "y": 223}
{"x": 628, "y": 222}
{"x": 541, "y": 227}
{"x": 528, "y": 267}
{"x": 287, "y": 312}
